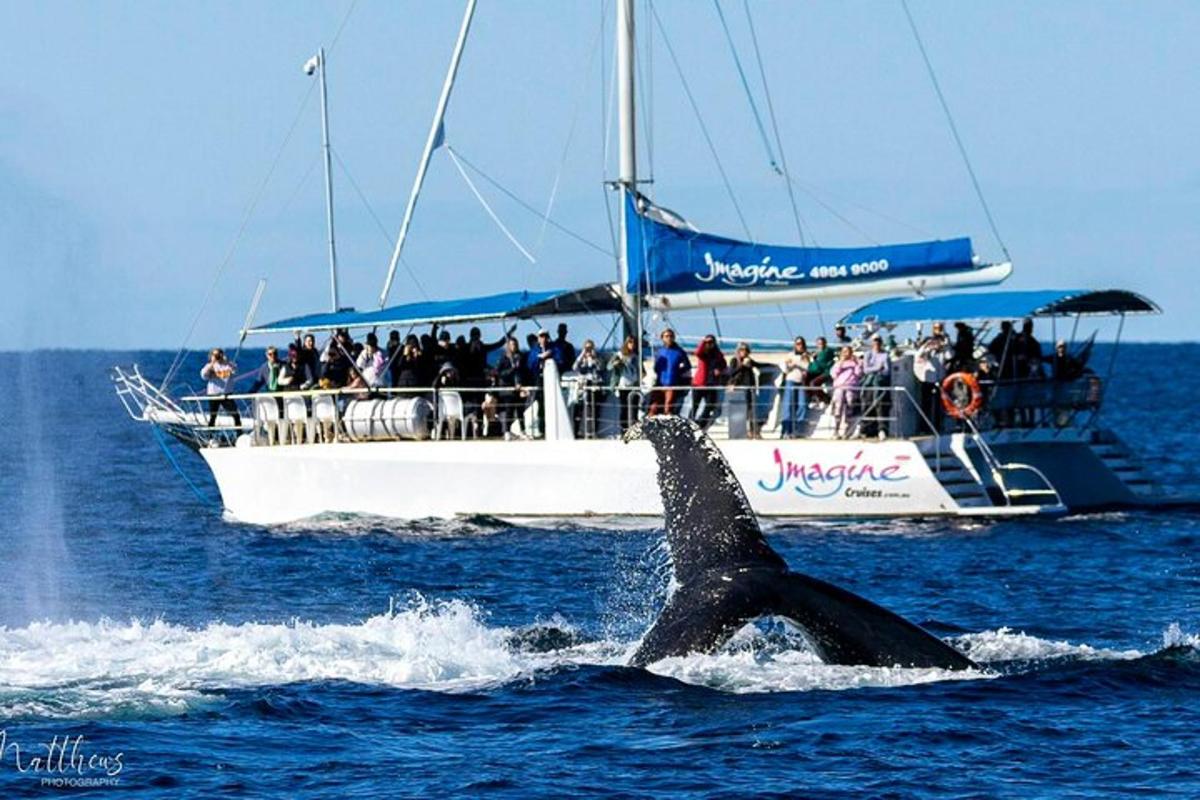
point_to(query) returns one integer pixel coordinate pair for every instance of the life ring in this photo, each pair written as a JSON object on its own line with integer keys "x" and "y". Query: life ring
{"x": 952, "y": 395}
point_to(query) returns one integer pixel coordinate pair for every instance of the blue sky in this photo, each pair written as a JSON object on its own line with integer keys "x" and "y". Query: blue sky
{"x": 133, "y": 137}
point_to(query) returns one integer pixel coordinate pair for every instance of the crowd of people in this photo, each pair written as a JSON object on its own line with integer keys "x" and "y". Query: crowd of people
{"x": 849, "y": 377}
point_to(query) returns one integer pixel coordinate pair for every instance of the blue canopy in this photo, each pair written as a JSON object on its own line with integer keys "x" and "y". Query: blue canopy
{"x": 666, "y": 256}
{"x": 516, "y": 305}
{"x": 1001, "y": 305}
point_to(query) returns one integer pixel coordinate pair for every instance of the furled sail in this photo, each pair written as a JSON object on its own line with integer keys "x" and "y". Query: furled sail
{"x": 680, "y": 266}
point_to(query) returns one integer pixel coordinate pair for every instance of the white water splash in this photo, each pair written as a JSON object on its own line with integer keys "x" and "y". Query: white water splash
{"x": 109, "y": 669}
{"x": 1174, "y": 636}
{"x": 1005, "y": 645}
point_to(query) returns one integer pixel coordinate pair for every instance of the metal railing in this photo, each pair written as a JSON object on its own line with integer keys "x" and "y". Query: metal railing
{"x": 998, "y": 470}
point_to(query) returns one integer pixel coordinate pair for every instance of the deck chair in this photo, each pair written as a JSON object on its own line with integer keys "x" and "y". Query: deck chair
{"x": 266, "y": 421}
{"x": 324, "y": 419}
{"x": 450, "y": 419}
{"x": 297, "y": 427}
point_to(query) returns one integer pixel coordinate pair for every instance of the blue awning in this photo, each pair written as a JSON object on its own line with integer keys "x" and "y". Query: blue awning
{"x": 515, "y": 305}
{"x": 1001, "y": 305}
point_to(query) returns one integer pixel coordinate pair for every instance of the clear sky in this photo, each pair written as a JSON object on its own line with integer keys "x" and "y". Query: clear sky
{"x": 134, "y": 136}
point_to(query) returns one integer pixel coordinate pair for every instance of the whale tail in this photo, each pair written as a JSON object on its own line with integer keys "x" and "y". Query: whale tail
{"x": 727, "y": 574}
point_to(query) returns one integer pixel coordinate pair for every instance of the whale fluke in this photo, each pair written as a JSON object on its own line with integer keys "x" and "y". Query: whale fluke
{"x": 727, "y": 575}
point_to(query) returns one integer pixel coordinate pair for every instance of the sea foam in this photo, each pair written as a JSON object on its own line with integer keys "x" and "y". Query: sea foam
{"x": 137, "y": 668}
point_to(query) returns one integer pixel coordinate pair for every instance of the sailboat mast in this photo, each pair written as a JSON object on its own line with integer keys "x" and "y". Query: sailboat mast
{"x": 627, "y": 177}
{"x": 333, "y": 280}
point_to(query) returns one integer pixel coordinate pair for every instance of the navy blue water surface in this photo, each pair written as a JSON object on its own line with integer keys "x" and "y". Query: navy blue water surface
{"x": 336, "y": 658}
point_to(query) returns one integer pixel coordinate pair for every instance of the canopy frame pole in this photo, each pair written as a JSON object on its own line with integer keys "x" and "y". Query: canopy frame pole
{"x": 433, "y": 142}
{"x": 250, "y": 314}
{"x": 627, "y": 176}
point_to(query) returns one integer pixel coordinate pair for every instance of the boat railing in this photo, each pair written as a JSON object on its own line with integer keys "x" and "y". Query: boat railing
{"x": 999, "y": 470}
{"x": 1026, "y": 404}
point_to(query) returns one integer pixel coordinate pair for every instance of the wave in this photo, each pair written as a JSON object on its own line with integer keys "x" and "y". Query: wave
{"x": 108, "y": 669}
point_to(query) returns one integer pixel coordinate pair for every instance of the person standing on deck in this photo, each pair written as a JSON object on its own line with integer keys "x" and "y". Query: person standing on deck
{"x": 218, "y": 373}
{"x": 545, "y": 350}
{"x": 706, "y": 381}
{"x": 672, "y": 371}
{"x": 794, "y": 404}
{"x": 566, "y": 350}
{"x": 625, "y": 378}
{"x": 877, "y": 373}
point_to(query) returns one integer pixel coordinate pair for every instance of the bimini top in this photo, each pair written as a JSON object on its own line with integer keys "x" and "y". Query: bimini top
{"x": 599, "y": 299}
{"x": 1001, "y": 305}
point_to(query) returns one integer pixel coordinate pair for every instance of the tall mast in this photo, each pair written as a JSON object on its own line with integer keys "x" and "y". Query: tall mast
{"x": 433, "y": 142}
{"x": 627, "y": 178}
{"x": 333, "y": 280}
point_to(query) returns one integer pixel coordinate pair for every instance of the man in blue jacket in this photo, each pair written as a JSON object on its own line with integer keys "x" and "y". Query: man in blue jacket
{"x": 535, "y": 364}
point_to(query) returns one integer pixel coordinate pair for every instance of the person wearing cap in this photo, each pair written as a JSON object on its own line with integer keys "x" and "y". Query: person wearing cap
{"x": 672, "y": 372}
{"x": 1065, "y": 366}
{"x": 839, "y": 335}
{"x": 543, "y": 351}
{"x": 877, "y": 372}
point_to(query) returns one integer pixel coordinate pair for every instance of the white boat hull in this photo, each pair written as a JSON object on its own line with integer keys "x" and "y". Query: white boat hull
{"x": 413, "y": 480}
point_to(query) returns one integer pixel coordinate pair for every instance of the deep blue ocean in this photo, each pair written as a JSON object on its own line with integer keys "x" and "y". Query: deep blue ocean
{"x": 179, "y": 654}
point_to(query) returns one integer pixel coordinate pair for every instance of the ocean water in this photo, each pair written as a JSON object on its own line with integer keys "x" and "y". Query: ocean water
{"x": 177, "y": 653}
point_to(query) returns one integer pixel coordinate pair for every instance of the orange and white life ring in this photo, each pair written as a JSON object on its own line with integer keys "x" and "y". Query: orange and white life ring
{"x": 953, "y": 399}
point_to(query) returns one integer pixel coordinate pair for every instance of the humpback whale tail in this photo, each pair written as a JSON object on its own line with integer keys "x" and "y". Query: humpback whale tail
{"x": 727, "y": 574}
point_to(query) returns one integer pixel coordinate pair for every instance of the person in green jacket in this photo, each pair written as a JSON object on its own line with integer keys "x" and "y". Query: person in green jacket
{"x": 818, "y": 371}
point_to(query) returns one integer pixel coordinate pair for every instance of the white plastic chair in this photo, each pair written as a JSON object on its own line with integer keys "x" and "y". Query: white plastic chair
{"x": 325, "y": 419}
{"x": 295, "y": 411}
{"x": 266, "y": 420}
{"x": 450, "y": 414}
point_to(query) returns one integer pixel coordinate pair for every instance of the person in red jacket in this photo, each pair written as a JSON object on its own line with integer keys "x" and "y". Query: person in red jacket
{"x": 707, "y": 378}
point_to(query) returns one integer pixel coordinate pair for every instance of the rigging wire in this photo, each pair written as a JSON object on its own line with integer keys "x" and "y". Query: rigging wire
{"x": 529, "y": 207}
{"x": 378, "y": 222}
{"x": 787, "y": 175}
{"x": 700, "y": 119}
{"x": 762, "y": 76}
{"x": 737, "y": 62}
{"x": 177, "y": 362}
{"x": 478, "y": 196}
{"x": 962, "y": 150}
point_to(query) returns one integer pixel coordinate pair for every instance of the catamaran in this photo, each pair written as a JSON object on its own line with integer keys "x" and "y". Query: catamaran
{"x": 984, "y": 447}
